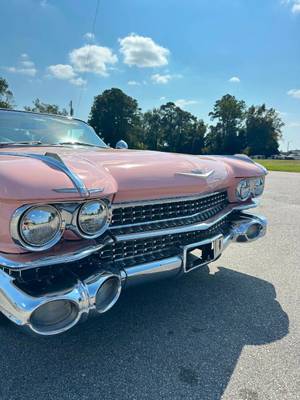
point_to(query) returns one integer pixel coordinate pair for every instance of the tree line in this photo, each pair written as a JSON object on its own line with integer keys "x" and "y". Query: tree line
{"x": 235, "y": 128}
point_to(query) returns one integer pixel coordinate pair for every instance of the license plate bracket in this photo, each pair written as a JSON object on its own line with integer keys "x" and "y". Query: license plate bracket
{"x": 196, "y": 255}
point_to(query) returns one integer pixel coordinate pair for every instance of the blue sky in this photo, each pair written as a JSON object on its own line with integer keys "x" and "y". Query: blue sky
{"x": 191, "y": 52}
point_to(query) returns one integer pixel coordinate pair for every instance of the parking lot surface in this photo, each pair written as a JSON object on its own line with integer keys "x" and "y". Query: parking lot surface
{"x": 233, "y": 333}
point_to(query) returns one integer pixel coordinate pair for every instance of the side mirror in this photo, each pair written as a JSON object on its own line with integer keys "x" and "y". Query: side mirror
{"x": 121, "y": 144}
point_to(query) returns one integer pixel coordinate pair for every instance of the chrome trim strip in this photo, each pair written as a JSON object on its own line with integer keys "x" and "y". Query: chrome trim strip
{"x": 187, "y": 228}
{"x": 195, "y": 174}
{"x": 8, "y": 261}
{"x": 74, "y": 190}
{"x": 57, "y": 164}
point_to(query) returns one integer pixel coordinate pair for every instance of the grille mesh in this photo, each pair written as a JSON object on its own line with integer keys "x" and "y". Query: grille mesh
{"x": 201, "y": 208}
{"x": 154, "y": 246}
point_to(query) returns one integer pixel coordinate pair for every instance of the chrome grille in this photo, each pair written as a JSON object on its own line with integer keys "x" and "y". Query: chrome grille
{"x": 165, "y": 214}
{"x": 159, "y": 246}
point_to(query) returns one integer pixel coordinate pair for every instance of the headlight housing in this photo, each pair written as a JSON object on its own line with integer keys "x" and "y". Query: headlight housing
{"x": 39, "y": 228}
{"x": 258, "y": 186}
{"x": 250, "y": 187}
{"x": 92, "y": 218}
{"x": 243, "y": 190}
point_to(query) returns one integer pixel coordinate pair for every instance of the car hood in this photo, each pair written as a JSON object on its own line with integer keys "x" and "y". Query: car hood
{"x": 125, "y": 174}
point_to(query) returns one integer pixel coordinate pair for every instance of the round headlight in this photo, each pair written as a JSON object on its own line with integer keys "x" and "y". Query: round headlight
{"x": 93, "y": 218}
{"x": 243, "y": 190}
{"x": 40, "y": 227}
{"x": 258, "y": 186}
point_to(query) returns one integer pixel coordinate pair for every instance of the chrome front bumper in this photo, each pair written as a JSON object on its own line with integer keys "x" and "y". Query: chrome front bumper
{"x": 99, "y": 292}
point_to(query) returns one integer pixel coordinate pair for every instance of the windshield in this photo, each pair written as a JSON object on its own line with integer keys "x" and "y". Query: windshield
{"x": 45, "y": 129}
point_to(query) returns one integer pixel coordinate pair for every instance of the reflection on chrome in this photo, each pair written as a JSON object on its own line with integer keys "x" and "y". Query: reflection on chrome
{"x": 51, "y": 311}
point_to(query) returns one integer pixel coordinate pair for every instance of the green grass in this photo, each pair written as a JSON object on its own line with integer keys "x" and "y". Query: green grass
{"x": 281, "y": 165}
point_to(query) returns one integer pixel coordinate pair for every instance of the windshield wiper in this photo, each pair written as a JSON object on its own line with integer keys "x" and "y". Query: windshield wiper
{"x": 29, "y": 143}
{"x": 78, "y": 144}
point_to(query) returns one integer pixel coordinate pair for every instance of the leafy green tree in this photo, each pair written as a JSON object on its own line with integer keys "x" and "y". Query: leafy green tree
{"x": 263, "y": 130}
{"x": 6, "y": 96}
{"x": 45, "y": 108}
{"x": 172, "y": 129}
{"x": 116, "y": 116}
{"x": 225, "y": 137}
{"x": 153, "y": 134}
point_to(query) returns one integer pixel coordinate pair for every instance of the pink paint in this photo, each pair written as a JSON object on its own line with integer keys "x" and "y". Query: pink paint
{"x": 128, "y": 175}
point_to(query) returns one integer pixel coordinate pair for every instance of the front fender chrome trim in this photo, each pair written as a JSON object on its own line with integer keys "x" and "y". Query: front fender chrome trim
{"x": 20, "y": 262}
{"x": 56, "y": 163}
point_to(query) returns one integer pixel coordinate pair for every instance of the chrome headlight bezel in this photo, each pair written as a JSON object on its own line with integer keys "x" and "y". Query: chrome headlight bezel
{"x": 106, "y": 219}
{"x": 258, "y": 186}
{"x": 255, "y": 187}
{"x": 20, "y": 238}
{"x": 242, "y": 185}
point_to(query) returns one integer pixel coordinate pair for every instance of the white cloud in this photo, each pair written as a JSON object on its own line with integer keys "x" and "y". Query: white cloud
{"x": 296, "y": 8}
{"x": 66, "y": 72}
{"x": 294, "y": 93}
{"x": 78, "y": 81}
{"x": 294, "y": 4}
{"x": 92, "y": 58}
{"x": 22, "y": 71}
{"x": 234, "y": 79}
{"x": 62, "y": 71}
{"x": 162, "y": 98}
{"x": 161, "y": 79}
{"x": 143, "y": 51}
{"x": 183, "y": 103}
{"x": 133, "y": 83}
{"x": 25, "y": 66}
{"x": 89, "y": 36}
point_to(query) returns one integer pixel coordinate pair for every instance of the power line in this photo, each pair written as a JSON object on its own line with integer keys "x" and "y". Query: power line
{"x": 88, "y": 53}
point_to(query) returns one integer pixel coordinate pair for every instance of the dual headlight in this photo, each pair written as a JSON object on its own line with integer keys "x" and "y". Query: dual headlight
{"x": 250, "y": 187}
{"x": 41, "y": 227}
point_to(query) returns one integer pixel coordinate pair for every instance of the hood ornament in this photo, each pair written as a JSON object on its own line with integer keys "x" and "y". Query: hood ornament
{"x": 197, "y": 173}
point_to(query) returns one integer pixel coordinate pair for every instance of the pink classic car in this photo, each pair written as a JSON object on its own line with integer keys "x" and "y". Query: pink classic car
{"x": 81, "y": 221}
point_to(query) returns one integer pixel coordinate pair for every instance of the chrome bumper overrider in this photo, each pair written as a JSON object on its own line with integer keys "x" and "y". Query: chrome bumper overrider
{"x": 57, "y": 310}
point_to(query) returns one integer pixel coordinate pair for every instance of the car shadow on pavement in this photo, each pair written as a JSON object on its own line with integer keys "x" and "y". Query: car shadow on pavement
{"x": 176, "y": 339}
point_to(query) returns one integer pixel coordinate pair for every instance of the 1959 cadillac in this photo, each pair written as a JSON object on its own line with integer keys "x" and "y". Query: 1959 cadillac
{"x": 81, "y": 221}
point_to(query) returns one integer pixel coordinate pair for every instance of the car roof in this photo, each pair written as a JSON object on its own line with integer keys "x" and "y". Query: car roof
{"x": 47, "y": 114}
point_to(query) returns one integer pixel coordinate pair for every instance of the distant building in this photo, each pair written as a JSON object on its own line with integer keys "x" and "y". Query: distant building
{"x": 288, "y": 155}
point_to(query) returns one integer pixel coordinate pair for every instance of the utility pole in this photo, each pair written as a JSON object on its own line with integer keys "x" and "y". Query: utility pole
{"x": 71, "y": 112}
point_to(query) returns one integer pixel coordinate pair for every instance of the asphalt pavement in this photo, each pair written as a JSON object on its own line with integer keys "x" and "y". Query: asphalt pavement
{"x": 232, "y": 333}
